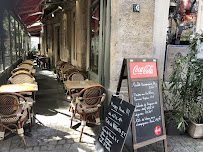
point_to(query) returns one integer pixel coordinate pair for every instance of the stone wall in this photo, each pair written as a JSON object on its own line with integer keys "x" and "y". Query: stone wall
{"x": 131, "y": 34}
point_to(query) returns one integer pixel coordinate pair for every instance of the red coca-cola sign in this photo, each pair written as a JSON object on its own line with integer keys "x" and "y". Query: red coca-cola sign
{"x": 143, "y": 69}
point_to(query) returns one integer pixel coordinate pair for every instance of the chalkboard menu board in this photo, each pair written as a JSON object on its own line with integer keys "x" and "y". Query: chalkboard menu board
{"x": 116, "y": 124}
{"x": 144, "y": 91}
{"x": 148, "y": 121}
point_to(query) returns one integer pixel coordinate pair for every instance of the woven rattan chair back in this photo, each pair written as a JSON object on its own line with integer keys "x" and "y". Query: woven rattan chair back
{"x": 77, "y": 76}
{"x": 13, "y": 113}
{"x": 19, "y": 69}
{"x": 21, "y": 78}
{"x": 67, "y": 65}
{"x": 25, "y": 65}
{"x": 9, "y": 105}
{"x": 92, "y": 96}
{"x": 30, "y": 62}
{"x": 60, "y": 63}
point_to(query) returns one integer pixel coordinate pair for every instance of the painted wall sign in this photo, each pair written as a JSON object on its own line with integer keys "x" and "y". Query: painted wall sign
{"x": 136, "y": 8}
{"x": 143, "y": 69}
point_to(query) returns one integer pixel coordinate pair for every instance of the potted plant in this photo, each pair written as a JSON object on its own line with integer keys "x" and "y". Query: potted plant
{"x": 184, "y": 89}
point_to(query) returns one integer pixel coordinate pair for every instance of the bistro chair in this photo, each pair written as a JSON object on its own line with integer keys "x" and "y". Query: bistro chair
{"x": 44, "y": 62}
{"x": 21, "y": 78}
{"x": 31, "y": 62}
{"x": 75, "y": 76}
{"x": 87, "y": 103}
{"x": 13, "y": 114}
{"x": 68, "y": 72}
{"x": 27, "y": 66}
{"x": 59, "y": 64}
{"x": 67, "y": 66}
{"x": 20, "y": 70}
{"x": 26, "y": 63}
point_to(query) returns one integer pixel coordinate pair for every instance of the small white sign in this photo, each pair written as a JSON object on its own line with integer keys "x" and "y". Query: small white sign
{"x": 200, "y": 50}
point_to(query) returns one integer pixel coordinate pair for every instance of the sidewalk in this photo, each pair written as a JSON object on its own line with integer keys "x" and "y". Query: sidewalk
{"x": 52, "y": 133}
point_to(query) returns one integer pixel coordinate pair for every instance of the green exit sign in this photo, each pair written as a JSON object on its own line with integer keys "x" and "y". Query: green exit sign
{"x": 136, "y": 8}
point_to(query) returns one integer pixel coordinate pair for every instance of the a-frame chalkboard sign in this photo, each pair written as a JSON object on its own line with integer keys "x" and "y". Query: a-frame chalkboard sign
{"x": 144, "y": 90}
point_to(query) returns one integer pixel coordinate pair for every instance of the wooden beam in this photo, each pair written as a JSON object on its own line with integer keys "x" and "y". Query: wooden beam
{"x": 41, "y": 5}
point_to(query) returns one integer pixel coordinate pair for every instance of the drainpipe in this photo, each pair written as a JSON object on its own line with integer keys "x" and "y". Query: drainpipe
{"x": 107, "y": 54}
{"x": 100, "y": 65}
{"x": 107, "y": 46}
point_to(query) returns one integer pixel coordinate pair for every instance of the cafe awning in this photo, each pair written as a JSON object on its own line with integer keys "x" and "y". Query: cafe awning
{"x": 30, "y": 12}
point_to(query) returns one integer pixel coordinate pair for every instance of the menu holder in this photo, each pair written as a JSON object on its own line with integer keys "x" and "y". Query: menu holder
{"x": 116, "y": 125}
{"x": 144, "y": 91}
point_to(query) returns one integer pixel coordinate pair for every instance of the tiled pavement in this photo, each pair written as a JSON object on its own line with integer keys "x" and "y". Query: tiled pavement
{"x": 52, "y": 133}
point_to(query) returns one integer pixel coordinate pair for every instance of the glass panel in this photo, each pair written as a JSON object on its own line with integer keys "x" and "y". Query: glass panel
{"x": 181, "y": 21}
{"x": 17, "y": 39}
{"x": 94, "y": 52}
{"x": 6, "y": 39}
{"x": 20, "y": 41}
{"x": 12, "y": 28}
{"x": 1, "y": 49}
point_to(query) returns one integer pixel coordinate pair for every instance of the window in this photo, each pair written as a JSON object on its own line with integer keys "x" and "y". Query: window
{"x": 13, "y": 49}
{"x": 94, "y": 50}
{"x": 1, "y": 50}
{"x": 6, "y": 39}
{"x": 181, "y": 21}
{"x": 17, "y": 39}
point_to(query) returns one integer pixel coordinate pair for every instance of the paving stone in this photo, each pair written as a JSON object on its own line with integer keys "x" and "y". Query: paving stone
{"x": 53, "y": 142}
{"x": 42, "y": 143}
{"x": 59, "y": 146}
{"x": 29, "y": 149}
{"x": 36, "y": 148}
{"x": 67, "y": 146}
{"x": 51, "y": 147}
{"x": 69, "y": 141}
{"x": 62, "y": 141}
{"x": 44, "y": 148}
{"x": 199, "y": 148}
{"x": 4, "y": 149}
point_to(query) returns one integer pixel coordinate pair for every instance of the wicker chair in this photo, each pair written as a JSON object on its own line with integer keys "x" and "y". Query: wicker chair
{"x": 21, "y": 78}
{"x": 13, "y": 113}
{"x": 77, "y": 76}
{"x": 87, "y": 103}
{"x": 69, "y": 72}
{"x": 31, "y": 62}
{"x": 74, "y": 76}
{"x": 62, "y": 74}
{"x": 59, "y": 64}
{"x": 20, "y": 70}
{"x": 27, "y": 66}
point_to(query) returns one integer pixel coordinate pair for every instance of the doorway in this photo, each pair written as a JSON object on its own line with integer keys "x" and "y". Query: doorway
{"x": 58, "y": 42}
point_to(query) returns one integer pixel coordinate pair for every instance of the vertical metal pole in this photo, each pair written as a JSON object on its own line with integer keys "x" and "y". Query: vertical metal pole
{"x": 2, "y": 37}
{"x": 9, "y": 29}
{"x": 18, "y": 41}
{"x": 15, "y": 39}
{"x": 107, "y": 47}
{"x": 107, "y": 52}
{"x": 100, "y": 65}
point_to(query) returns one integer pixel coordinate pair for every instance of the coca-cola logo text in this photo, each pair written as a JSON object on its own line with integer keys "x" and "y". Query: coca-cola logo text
{"x": 148, "y": 69}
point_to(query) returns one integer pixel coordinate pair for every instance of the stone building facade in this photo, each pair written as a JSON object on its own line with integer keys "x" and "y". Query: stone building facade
{"x": 97, "y": 34}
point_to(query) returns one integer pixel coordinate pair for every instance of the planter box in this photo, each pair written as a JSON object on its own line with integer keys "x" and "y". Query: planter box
{"x": 171, "y": 128}
{"x": 195, "y": 130}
